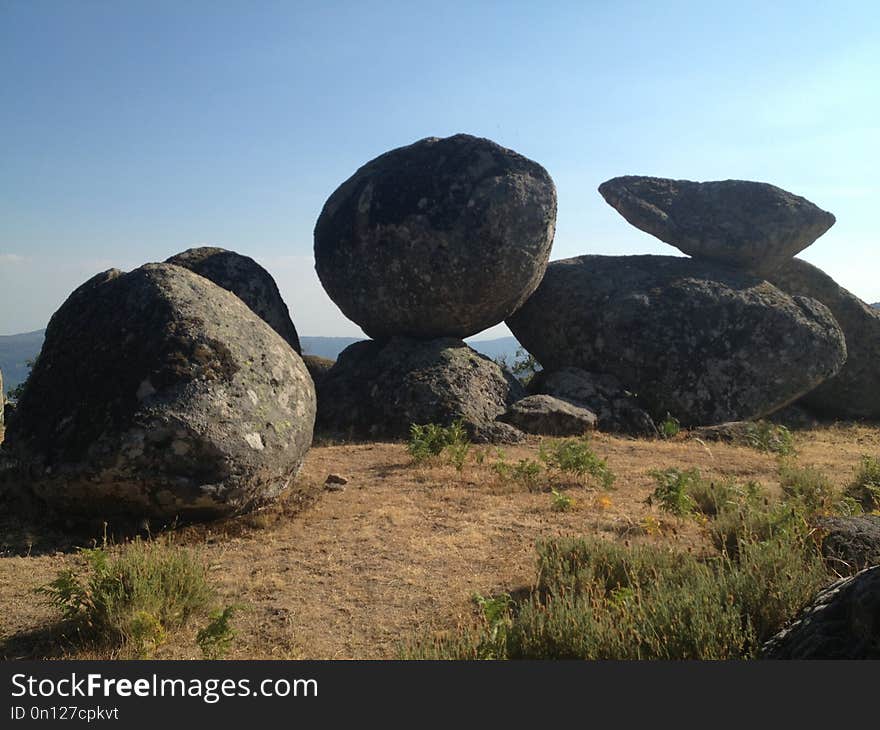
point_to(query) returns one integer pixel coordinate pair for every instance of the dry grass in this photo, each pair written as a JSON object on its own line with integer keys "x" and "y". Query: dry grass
{"x": 403, "y": 548}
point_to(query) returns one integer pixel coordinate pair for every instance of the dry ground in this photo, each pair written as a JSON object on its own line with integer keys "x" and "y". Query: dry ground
{"x": 401, "y": 551}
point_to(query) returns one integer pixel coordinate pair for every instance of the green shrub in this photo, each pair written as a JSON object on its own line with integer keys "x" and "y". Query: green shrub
{"x": 575, "y": 457}
{"x": 215, "y": 639}
{"x": 770, "y": 438}
{"x": 669, "y": 427}
{"x": 673, "y": 491}
{"x": 527, "y": 473}
{"x": 560, "y": 502}
{"x": 599, "y": 600}
{"x": 428, "y": 441}
{"x": 865, "y": 489}
{"x": 133, "y": 598}
{"x": 808, "y": 487}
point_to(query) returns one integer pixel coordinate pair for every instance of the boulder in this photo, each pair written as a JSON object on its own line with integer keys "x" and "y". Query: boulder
{"x": 843, "y": 622}
{"x": 544, "y": 414}
{"x": 158, "y": 394}
{"x": 318, "y": 367}
{"x": 245, "y": 278}
{"x": 851, "y": 543}
{"x": 379, "y": 389}
{"x": 752, "y": 225}
{"x": 443, "y": 238}
{"x": 616, "y": 409}
{"x": 703, "y": 342}
{"x": 2, "y": 401}
{"x": 855, "y": 391}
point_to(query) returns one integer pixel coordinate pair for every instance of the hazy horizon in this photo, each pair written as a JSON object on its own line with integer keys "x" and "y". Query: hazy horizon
{"x": 133, "y": 132}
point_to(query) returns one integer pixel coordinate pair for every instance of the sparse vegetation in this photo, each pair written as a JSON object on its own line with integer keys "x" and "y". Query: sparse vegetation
{"x": 575, "y": 457}
{"x": 807, "y": 486}
{"x": 673, "y": 491}
{"x": 132, "y": 598}
{"x": 669, "y": 427}
{"x": 524, "y": 365}
{"x": 561, "y": 502}
{"x": 865, "y": 488}
{"x": 770, "y": 438}
{"x": 216, "y": 637}
{"x": 429, "y": 441}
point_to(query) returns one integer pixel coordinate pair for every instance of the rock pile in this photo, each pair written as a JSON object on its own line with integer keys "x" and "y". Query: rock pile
{"x": 158, "y": 394}
{"x": 423, "y": 246}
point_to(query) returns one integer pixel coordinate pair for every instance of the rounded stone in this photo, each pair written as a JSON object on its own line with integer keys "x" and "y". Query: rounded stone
{"x": 245, "y": 278}
{"x": 443, "y": 238}
{"x": 705, "y": 343}
{"x": 157, "y": 394}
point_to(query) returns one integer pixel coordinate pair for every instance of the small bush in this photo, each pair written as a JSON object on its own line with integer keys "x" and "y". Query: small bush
{"x": 807, "y": 486}
{"x": 673, "y": 491}
{"x": 669, "y": 427}
{"x": 770, "y": 438}
{"x": 527, "y": 473}
{"x": 215, "y": 639}
{"x": 133, "y": 598}
{"x": 865, "y": 489}
{"x": 574, "y": 456}
{"x": 560, "y": 502}
{"x": 429, "y": 440}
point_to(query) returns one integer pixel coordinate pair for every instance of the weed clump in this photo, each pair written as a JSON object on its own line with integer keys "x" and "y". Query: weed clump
{"x": 865, "y": 488}
{"x": 428, "y": 441}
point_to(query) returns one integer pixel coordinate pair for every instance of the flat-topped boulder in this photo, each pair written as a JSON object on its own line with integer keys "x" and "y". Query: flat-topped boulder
{"x": 855, "y": 391}
{"x": 379, "y": 389}
{"x": 158, "y": 394}
{"x": 705, "y": 343}
{"x": 751, "y": 225}
{"x": 544, "y": 414}
{"x": 245, "y": 278}
{"x": 442, "y": 238}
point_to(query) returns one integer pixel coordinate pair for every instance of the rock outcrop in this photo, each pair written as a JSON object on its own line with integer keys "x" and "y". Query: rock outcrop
{"x": 751, "y": 225}
{"x": 318, "y": 367}
{"x": 245, "y": 278}
{"x": 706, "y": 343}
{"x": 443, "y": 238}
{"x": 617, "y": 409}
{"x": 855, "y": 391}
{"x": 158, "y": 394}
{"x": 544, "y": 414}
{"x": 843, "y": 622}
{"x": 851, "y": 543}
{"x": 378, "y": 390}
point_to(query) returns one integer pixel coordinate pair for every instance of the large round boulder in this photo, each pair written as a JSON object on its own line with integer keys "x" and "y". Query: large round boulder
{"x": 159, "y": 394}
{"x": 705, "y": 343}
{"x": 842, "y": 622}
{"x": 245, "y": 278}
{"x": 379, "y": 389}
{"x": 855, "y": 391}
{"x": 443, "y": 238}
{"x": 753, "y": 225}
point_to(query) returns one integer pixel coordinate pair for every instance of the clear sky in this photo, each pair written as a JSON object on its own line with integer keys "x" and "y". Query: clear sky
{"x": 132, "y": 130}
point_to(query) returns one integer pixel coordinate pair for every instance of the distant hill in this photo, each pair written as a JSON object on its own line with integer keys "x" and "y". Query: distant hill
{"x": 876, "y": 305}
{"x": 16, "y": 350}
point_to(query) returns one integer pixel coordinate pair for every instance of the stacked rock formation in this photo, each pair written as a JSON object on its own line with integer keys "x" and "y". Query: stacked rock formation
{"x": 707, "y": 338}
{"x": 421, "y": 247}
{"x": 158, "y": 394}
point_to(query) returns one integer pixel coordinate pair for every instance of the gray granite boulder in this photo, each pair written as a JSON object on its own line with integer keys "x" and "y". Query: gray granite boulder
{"x": 851, "y": 543}
{"x": 544, "y": 414}
{"x": 752, "y": 225}
{"x": 158, "y": 394}
{"x": 245, "y": 278}
{"x": 705, "y": 343}
{"x": 855, "y": 391}
{"x": 842, "y": 622}
{"x": 379, "y": 389}
{"x": 443, "y": 238}
{"x": 617, "y": 410}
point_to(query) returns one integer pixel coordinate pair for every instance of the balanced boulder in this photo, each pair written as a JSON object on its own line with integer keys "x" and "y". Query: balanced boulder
{"x": 159, "y": 394}
{"x": 842, "y": 622}
{"x": 443, "y": 238}
{"x": 752, "y": 225}
{"x": 544, "y": 414}
{"x": 616, "y": 409}
{"x": 379, "y": 390}
{"x": 245, "y": 278}
{"x": 855, "y": 391}
{"x": 703, "y": 342}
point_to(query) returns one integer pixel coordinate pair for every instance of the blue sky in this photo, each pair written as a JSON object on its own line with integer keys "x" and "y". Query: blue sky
{"x": 133, "y": 130}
